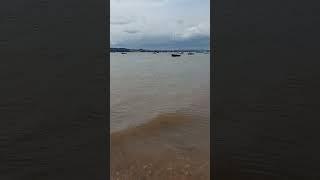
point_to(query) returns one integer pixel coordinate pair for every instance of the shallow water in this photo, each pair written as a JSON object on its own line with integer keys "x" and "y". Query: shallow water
{"x": 145, "y": 85}
{"x": 160, "y": 116}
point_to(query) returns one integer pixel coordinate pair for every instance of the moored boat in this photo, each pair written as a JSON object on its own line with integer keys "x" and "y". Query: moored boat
{"x": 175, "y": 55}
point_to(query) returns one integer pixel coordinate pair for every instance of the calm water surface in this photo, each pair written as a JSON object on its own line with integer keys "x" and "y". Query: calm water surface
{"x": 145, "y": 85}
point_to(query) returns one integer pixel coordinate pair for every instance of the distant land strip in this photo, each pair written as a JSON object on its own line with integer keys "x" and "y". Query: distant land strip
{"x": 148, "y": 50}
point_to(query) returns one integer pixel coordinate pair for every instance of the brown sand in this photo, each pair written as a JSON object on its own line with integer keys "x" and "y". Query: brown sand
{"x": 144, "y": 152}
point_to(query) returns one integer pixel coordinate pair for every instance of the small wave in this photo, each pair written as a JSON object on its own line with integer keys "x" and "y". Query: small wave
{"x": 162, "y": 121}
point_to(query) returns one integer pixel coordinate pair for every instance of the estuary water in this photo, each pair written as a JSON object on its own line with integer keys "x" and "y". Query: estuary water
{"x": 160, "y": 116}
{"x": 145, "y": 85}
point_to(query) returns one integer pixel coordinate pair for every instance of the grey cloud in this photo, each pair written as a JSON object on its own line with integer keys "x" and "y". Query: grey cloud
{"x": 166, "y": 42}
{"x": 180, "y": 21}
{"x": 159, "y": 23}
{"x": 120, "y": 21}
{"x": 194, "y": 31}
{"x": 132, "y": 31}
{"x": 141, "y": 1}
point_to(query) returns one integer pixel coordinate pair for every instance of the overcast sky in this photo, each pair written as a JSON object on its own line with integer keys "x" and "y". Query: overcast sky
{"x": 160, "y": 24}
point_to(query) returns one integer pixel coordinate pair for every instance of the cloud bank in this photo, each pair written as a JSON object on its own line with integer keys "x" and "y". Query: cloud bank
{"x": 160, "y": 24}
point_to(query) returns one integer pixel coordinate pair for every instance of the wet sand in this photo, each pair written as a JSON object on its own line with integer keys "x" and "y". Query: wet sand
{"x": 154, "y": 151}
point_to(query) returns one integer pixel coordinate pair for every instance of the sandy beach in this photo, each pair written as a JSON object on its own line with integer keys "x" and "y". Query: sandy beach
{"x": 150, "y": 151}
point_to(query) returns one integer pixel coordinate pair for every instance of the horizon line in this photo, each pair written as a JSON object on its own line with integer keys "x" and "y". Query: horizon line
{"x": 159, "y": 49}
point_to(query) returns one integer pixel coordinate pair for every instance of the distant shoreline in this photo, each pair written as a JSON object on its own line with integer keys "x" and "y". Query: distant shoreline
{"x": 155, "y": 50}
